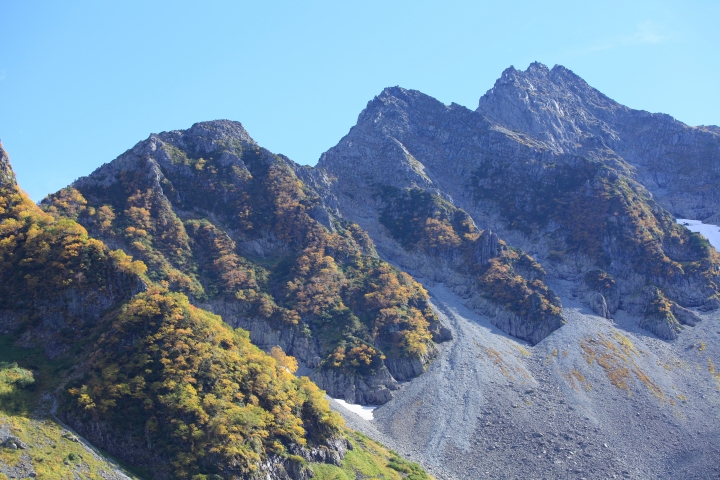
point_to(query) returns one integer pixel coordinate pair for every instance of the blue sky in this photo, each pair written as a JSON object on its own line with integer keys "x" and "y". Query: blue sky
{"x": 81, "y": 82}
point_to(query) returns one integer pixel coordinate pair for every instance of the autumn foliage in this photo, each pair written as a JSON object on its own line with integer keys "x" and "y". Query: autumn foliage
{"x": 603, "y": 215}
{"x": 41, "y": 256}
{"x": 194, "y": 236}
{"x": 162, "y": 372}
{"x": 182, "y": 393}
{"x": 421, "y": 220}
{"x": 182, "y": 380}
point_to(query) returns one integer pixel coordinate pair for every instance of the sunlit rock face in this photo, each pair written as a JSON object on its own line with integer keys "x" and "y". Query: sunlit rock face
{"x": 556, "y": 171}
{"x": 677, "y": 163}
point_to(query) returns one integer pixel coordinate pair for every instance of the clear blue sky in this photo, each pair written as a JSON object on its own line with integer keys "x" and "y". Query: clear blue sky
{"x": 81, "y": 82}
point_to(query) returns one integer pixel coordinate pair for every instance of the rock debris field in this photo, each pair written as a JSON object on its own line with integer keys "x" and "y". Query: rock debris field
{"x": 596, "y": 399}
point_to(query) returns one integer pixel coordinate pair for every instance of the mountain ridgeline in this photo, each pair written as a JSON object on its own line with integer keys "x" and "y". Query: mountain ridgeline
{"x": 558, "y": 172}
{"x": 184, "y": 282}
{"x": 547, "y": 179}
{"x": 229, "y": 224}
{"x": 136, "y": 369}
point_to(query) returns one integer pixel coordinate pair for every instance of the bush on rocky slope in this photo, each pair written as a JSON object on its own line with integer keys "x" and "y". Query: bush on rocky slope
{"x": 232, "y": 222}
{"x": 177, "y": 378}
{"x": 41, "y": 256}
{"x": 165, "y": 385}
{"x": 45, "y": 448}
{"x": 422, "y": 220}
{"x": 369, "y": 459}
{"x": 606, "y": 217}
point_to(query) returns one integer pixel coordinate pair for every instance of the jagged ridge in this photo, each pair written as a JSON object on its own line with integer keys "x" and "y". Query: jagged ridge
{"x": 229, "y": 223}
{"x": 542, "y": 176}
{"x": 191, "y": 385}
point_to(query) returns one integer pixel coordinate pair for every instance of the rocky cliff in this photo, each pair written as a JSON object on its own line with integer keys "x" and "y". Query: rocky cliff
{"x": 87, "y": 337}
{"x": 389, "y": 174}
{"x": 214, "y": 215}
{"x": 677, "y": 163}
{"x": 579, "y": 319}
{"x": 532, "y": 165}
{"x": 545, "y": 186}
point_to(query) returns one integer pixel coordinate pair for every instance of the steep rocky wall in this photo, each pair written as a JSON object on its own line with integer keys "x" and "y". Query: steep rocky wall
{"x": 230, "y": 224}
{"x": 530, "y": 166}
{"x": 679, "y": 164}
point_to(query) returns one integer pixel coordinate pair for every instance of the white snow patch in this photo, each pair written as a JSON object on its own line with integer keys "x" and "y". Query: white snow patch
{"x": 364, "y": 411}
{"x": 711, "y": 232}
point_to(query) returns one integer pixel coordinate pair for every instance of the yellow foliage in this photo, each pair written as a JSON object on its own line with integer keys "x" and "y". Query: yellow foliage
{"x": 618, "y": 363}
{"x": 206, "y": 396}
{"x": 284, "y": 360}
{"x": 42, "y": 255}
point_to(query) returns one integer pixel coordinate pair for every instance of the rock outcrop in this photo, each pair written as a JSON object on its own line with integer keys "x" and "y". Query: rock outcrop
{"x": 551, "y": 167}
{"x": 229, "y": 223}
{"x": 677, "y": 163}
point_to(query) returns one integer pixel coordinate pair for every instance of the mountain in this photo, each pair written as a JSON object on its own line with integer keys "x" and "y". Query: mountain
{"x": 581, "y": 215}
{"x": 508, "y": 283}
{"x": 89, "y": 339}
{"x": 214, "y": 215}
{"x": 543, "y": 201}
{"x": 678, "y": 164}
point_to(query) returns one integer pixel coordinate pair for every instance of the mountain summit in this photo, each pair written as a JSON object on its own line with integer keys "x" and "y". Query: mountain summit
{"x": 675, "y": 162}
{"x": 547, "y": 214}
{"x": 508, "y": 287}
{"x": 553, "y": 105}
{"x": 542, "y": 167}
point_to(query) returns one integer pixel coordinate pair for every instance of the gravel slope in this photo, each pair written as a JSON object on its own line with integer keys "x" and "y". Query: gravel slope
{"x": 596, "y": 399}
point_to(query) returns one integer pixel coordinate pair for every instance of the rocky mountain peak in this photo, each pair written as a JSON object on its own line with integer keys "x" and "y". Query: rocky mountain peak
{"x": 393, "y": 118}
{"x": 225, "y": 138}
{"x": 7, "y": 176}
{"x": 219, "y": 130}
{"x": 385, "y": 124}
{"x": 391, "y": 109}
{"x": 538, "y": 79}
{"x": 553, "y": 105}
{"x": 559, "y": 109}
{"x": 206, "y": 137}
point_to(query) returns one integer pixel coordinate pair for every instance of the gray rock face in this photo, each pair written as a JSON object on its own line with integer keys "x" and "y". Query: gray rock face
{"x": 679, "y": 164}
{"x": 547, "y": 164}
{"x": 13, "y": 443}
{"x": 488, "y": 248}
{"x": 372, "y": 389}
{"x": 405, "y": 140}
{"x": 554, "y": 106}
{"x": 404, "y": 369}
{"x": 685, "y": 316}
{"x": 56, "y": 312}
{"x": 369, "y": 390}
{"x": 598, "y": 304}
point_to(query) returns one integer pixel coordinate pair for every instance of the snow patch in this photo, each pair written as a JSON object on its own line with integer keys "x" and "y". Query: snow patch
{"x": 364, "y": 411}
{"x": 711, "y": 232}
